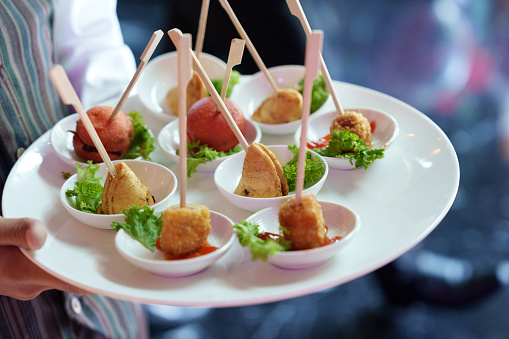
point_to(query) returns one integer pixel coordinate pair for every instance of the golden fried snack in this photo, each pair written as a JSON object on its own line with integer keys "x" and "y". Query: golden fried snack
{"x": 185, "y": 230}
{"x": 354, "y": 122}
{"x": 285, "y": 105}
{"x": 195, "y": 91}
{"x": 260, "y": 174}
{"x": 279, "y": 170}
{"x": 304, "y": 222}
{"x": 122, "y": 191}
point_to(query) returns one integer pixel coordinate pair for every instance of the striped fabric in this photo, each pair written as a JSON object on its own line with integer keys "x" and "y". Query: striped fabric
{"x": 29, "y": 105}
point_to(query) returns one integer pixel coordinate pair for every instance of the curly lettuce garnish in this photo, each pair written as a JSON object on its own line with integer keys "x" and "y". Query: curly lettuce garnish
{"x": 200, "y": 154}
{"x": 142, "y": 224}
{"x": 319, "y": 92}
{"x": 234, "y": 79}
{"x": 260, "y": 249}
{"x": 143, "y": 143}
{"x": 348, "y": 145}
{"x": 87, "y": 189}
{"x": 312, "y": 174}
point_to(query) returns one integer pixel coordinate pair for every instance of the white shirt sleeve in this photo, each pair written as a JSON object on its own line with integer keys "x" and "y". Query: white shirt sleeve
{"x": 89, "y": 45}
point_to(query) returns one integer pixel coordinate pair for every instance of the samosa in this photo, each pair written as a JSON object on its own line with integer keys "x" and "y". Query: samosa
{"x": 122, "y": 191}
{"x": 262, "y": 175}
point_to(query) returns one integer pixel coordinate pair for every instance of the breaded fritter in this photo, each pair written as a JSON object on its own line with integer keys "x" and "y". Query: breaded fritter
{"x": 195, "y": 91}
{"x": 354, "y": 122}
{"x": 304, "y": 222}
{"x": 184, "y": 230}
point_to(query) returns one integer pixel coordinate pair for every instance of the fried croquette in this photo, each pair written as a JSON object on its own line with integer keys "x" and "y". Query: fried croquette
{"x": 354, "y": 122}
{"x": 185, "y": 230}
{"x": 285, "y": 105}
{"x": 122, "y": 191}
{"x": 195, "y": 91}
{"x": 304, "y": 222}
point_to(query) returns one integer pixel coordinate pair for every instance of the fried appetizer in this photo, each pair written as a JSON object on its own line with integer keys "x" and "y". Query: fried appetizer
{"x": 354, "y": 122}
{"x": 195, "y": 91}
{"x": 304, "y": 222}
{"x": 122, "y": 191}
{"x": 116, "y": 135}
{"x": 262, "y": 175}
{"x": 285, "y": 105}
{"x": 185, "y": 230}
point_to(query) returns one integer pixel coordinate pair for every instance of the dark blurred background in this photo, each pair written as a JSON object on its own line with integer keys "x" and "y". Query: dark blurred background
{"x": 450, "y": 60}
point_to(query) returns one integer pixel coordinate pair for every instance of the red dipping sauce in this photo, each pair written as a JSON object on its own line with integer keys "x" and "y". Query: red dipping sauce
{"x": 206, "y": 248}
{"x": 326, "y": 239}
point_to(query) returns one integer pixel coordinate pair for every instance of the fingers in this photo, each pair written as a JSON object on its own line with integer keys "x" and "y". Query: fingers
{"x": 24, "y": 232}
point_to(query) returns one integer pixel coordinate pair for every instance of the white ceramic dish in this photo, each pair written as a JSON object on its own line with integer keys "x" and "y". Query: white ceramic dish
{"x": 400, "y": 201}
{"x": 221, "y": 236}
{"x": 159, "y": 180}
{"x": 169, "y": 142}
{"x": 340, "y": 221}
{"x": 228, "y": 173}
{"x": 61, "y": 140}
{"x": 386, "y": 131}
{"x": 250, "y": 94}
{"x": 160, "y": 75}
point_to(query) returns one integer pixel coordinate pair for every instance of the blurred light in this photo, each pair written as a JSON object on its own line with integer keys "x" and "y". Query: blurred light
{"x": 447, "y": 12}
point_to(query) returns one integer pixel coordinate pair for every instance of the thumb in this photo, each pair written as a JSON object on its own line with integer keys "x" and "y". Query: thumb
{"x": 24, "y": 232}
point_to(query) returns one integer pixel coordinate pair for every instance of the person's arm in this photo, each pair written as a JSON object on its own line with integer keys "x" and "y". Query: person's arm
{"x": 21, "y": 279}
{"x": 89, "y": 45}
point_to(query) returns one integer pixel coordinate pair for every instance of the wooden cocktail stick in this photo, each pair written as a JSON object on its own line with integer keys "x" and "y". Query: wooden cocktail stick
{"x": 201, "y": 27}
{"x": 234, "y": 58}
{"x": 296, "y": 10}
{"x": 145, "y": 57}
{"x": 69, "y": 97}
{"x": 249, "y": 44}
{"x": 185, "y": 73}
{"x": 174, "y": 35}
{"x": 313, "y": 47}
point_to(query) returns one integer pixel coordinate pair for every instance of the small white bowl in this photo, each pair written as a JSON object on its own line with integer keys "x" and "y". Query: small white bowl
{"x": 61, "y": 140}
{"x": 228, "y": 173}
{"x": 160, "y": 181}
{"x": 221, "y": 236}
{"x": 169, "y": 141}
{"x": 386, "y": 131}
{"x": 340, "y": 220}
{"x": 250, "y": 94}
{"x": 161, "y": 74}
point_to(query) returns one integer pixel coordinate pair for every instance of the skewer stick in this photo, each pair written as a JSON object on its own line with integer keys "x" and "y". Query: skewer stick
{"x": 174, "y": 35}
{"x": 145, "y": 57}
{"x": 234, "y": 58}
{"x": 201, "y": 27}
{"x": 185, "y": 73}
{"x": 69, "y": 97}
{"x": 249, "y": 44}
{"x": 296, "y": 10}
{"x": 313, "y": 48}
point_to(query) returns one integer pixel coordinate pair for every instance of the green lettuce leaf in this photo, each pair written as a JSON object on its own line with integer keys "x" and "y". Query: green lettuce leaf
{"x": 87, "y": 189}
{"x": 143, "y": 143}
{"x": 348, "y": 145}
{"x": 319, "y": 92}
{"x": 200, "y": 154}
{"x": 234, "y": 79}
{"x": 142, "y": 224}
{"x": 247, "y": 233}
{"x": 312, "y": 174}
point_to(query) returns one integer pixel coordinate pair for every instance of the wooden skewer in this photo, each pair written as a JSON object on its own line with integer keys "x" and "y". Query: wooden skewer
{"x": 234, "y": 58}
{"x": 145, "y": 57}
{"x": 313, "y": 48}
{"x": 201, "y": 27}
{"x": 69, "y": 97}
{"x": 296, "y": 10}
{"x": 249, "y": 44}
{"x": 174, "y": 35}
{"x": 185, "y": 73}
